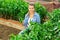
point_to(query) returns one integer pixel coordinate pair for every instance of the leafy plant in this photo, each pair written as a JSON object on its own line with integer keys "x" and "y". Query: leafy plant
{"x": 9, "y": 9}
{"x": 41, "y": 10}
{"x": 46, "y": 31}
{"x": 23, "y": 10}
{"x": 55, "y": 15}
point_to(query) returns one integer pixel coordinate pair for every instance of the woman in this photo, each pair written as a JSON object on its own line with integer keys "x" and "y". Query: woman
{"x": 31, "y": 16}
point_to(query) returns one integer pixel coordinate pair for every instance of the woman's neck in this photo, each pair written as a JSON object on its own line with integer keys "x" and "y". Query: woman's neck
{"x": 31, "y": 14}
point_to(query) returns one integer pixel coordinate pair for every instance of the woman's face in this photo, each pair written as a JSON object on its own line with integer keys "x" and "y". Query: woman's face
{"x": 31, "y": 8}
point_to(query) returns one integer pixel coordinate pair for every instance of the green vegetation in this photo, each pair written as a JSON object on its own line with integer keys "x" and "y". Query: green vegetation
{"x": 10, "y": 9}
{"x": 16, "y": 9}
{"x": 55, "y": 15}
{"x": 59, "y": 0}
{"x": 41, "y": 10}
{"x": 49, "y": 30}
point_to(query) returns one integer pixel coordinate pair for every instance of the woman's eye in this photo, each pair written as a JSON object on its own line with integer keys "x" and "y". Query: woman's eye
{"x": 31, "y": 8}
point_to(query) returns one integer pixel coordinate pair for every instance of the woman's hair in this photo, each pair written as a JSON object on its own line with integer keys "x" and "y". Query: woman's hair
{"x": 31, "y": 4}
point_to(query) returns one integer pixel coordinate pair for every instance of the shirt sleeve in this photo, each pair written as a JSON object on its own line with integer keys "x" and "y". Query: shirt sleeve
{"x": 25, "y": 21}
{"x": 38, "y": 19}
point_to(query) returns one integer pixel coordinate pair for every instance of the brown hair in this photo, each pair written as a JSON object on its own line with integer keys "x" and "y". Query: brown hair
{"x": 31, "y": 4}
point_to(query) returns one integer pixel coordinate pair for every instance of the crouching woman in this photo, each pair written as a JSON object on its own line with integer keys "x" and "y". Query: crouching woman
{"x": 31, "y": 16}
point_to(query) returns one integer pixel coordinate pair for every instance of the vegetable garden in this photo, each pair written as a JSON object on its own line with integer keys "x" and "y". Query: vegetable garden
{"x": 47, "y": 30}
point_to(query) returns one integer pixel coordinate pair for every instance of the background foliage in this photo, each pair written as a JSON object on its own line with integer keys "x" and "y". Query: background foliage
{"x": 9, "y": 9}
{"x": 41, "y": 10}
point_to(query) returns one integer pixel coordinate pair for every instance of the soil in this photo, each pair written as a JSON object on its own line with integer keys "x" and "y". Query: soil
{"x": 8, "y": 27}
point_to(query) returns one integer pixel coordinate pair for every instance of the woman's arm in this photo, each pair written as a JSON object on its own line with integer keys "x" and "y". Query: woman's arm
{"x": 38, "y": 19}
{"x": 25, "y": 21}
